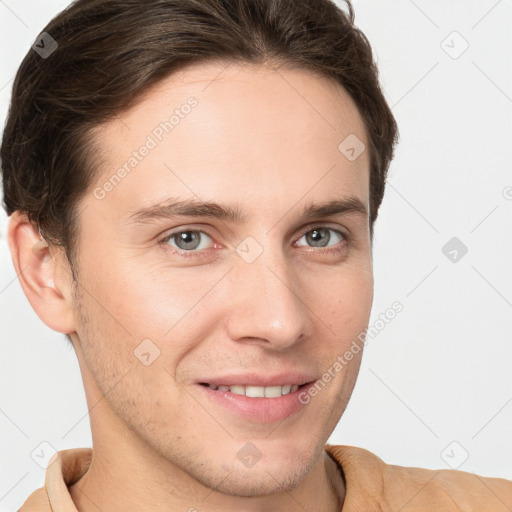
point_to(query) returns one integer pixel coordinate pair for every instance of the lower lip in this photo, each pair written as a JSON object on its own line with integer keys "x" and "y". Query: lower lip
{"x": 259, "y": 409}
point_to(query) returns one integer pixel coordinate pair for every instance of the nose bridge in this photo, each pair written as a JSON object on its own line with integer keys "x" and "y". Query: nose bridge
{"x": 266, "y": 301}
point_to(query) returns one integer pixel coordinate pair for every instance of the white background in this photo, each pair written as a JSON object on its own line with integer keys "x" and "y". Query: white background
{"x": 435, "y": 384}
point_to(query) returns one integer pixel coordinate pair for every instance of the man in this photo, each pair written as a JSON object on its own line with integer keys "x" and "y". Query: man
{"x": 192, "y": 188}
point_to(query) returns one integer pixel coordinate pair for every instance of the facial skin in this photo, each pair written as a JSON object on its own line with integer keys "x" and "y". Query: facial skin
{"x": 264, "y": 140}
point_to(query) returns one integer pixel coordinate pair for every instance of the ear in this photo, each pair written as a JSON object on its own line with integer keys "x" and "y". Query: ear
{"x": 37, "y": 266}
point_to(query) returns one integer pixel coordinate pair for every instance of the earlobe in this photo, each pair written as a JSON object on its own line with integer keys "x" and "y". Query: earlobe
{"x": 36, "y": 265}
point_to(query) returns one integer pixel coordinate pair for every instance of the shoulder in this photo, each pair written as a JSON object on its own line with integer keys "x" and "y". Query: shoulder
{"x": 414, "y": 488}
{"x": 64, "y": 469}
{"x": 37, "y": 502}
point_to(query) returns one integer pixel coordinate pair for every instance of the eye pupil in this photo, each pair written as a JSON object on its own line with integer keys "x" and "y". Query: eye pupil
{"x": 315, "y": 235}
{"x": 187, "y": 239}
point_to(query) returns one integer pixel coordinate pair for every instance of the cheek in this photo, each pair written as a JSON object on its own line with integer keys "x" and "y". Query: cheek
{"x": 133, "y": 302}
{"x": 156, "y": 298}
{"x": 125, "y": 366}
{"x": 347, "y": 302}
{"x": 140, "y": 322}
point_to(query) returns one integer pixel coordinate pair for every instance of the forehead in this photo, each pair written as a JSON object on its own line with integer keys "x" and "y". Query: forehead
{"x": 215, "y": 128}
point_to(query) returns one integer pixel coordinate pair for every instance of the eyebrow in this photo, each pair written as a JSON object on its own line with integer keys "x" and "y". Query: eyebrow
{"x": 172, "y": 208}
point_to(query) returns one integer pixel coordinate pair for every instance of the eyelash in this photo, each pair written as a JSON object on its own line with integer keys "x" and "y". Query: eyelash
{"x": 197, "y": 253}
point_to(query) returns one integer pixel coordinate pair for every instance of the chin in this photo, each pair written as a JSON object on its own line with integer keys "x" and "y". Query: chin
{"x": 258, "y": 481}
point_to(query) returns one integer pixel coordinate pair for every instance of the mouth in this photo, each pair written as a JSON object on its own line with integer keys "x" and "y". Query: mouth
{"x": 257, "y": 404}
{"x": 254, "y": 391}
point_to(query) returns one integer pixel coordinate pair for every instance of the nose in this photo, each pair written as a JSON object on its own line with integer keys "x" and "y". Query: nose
{"x": 268, "y": 304}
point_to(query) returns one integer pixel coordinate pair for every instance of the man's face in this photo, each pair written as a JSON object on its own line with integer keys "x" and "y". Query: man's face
{"x": 158, "y": 315}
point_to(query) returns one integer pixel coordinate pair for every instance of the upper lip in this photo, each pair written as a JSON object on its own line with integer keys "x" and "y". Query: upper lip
{"x": 259, "y": 379}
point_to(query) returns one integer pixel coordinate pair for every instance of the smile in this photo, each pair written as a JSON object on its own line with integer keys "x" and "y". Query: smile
{"x": 257, "y": 391}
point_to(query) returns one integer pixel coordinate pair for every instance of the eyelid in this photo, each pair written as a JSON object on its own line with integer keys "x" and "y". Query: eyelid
{"x": 325, "y": 225}
{"x": 314, "y": 227}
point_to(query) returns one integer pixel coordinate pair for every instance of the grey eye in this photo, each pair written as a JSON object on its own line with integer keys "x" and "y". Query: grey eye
{"x": 189, "y": 240}
{"x": 320, "y": 237}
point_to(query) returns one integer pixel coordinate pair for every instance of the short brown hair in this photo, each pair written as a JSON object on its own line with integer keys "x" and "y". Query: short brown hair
{"x": 111, "y": 51}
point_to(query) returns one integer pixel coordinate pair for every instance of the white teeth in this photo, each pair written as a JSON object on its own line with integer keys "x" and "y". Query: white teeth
{"x": 254, "y": 391}
{"x": 286, "y": 389}
{"x": 237, "y": 390}
{"x": 258, "y": 391}
{"x": 272, "y": 391}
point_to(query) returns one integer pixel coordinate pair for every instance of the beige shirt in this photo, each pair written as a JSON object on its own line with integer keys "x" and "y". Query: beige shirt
{"x": 371, "y": 485}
